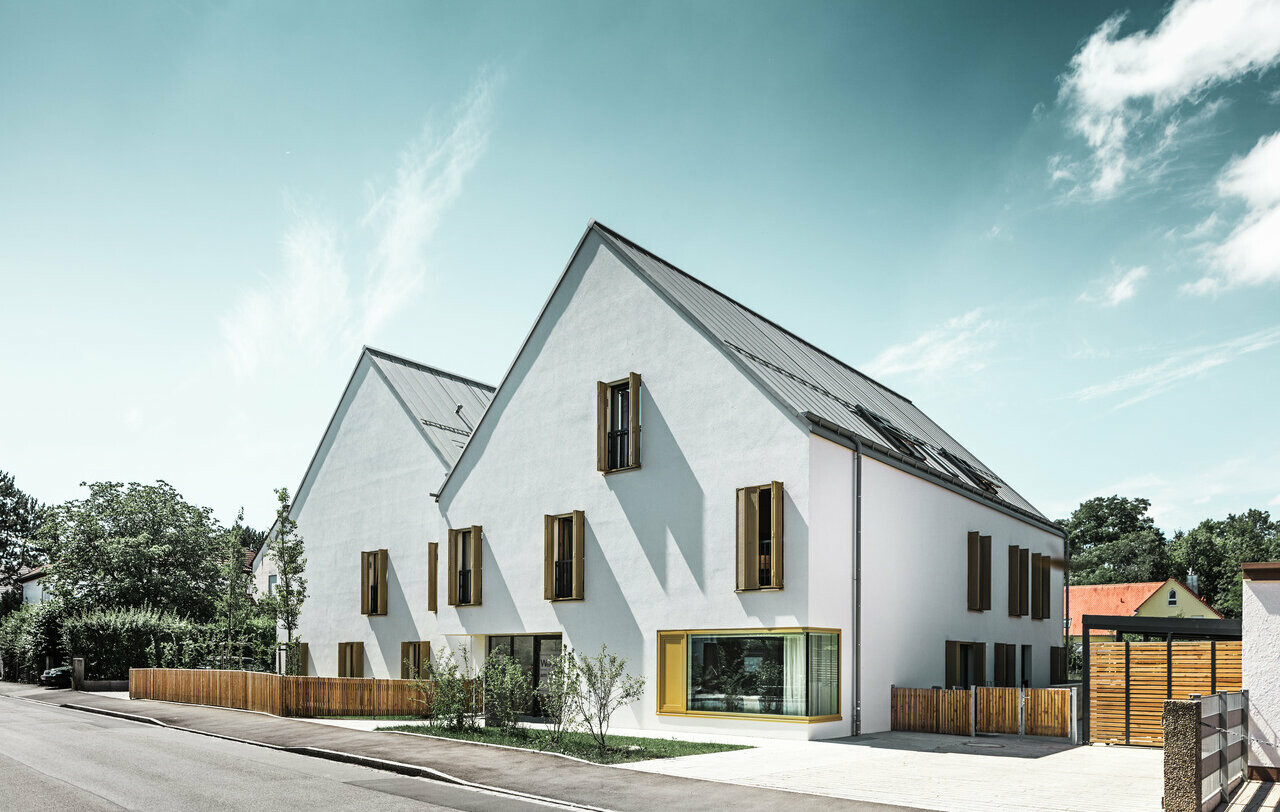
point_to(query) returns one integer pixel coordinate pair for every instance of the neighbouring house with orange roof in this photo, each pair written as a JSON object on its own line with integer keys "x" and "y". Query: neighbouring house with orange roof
{"x": 1170, "y": 598}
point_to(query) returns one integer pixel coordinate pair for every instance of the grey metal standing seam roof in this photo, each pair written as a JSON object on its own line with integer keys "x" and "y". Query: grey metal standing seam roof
{"x": 433, "y": 397}
{"x": 815, "y": 384}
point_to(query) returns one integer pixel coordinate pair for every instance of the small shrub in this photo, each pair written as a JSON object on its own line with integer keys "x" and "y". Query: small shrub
{"x": 508, "y": 692}
{"x": 29, "y": 637}
{"x": 558, "y": 695}
{"x": 447, "y": 692}
{"x": 604, "y": 686}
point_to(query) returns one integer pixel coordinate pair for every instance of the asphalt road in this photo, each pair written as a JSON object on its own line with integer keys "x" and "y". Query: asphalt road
{"x": 54, "y": 758}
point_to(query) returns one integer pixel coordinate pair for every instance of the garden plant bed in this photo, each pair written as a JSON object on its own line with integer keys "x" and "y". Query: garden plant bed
{"x": 579, "y": 745}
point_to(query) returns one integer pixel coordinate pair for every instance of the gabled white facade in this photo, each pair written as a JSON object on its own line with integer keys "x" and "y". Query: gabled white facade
{"x": 660, "y": 541}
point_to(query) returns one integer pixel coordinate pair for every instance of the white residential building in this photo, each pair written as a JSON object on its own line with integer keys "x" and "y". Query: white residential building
{"x": 666, "y": 472}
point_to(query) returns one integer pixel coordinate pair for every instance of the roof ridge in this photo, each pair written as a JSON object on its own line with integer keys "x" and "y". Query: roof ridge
{"x": 428, "y": 368}
{"x": 736, "y": 303}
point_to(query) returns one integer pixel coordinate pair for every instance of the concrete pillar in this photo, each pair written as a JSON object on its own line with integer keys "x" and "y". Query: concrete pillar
{"x": 1181, "y": 723}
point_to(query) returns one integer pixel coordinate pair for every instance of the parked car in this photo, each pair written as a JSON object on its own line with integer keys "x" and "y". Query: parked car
{"x": 59, "y": 677}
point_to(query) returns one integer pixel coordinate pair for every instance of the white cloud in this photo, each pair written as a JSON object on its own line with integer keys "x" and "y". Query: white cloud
{"x": 960, "y": 343}
{"x": 1117, "y": 288}
{"x": 1152, "y": 380}
{"x": 310, "y": 307}
{"x": 1250, "y": 254}
{"x": 1124, "y": 91}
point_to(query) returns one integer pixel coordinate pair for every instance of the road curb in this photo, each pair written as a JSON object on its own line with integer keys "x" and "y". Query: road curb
{"x": 411, "y": 770}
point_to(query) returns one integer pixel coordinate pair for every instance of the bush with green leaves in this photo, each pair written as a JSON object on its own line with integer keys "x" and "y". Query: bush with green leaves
{"x": 508, "y": 692}
{"x": 604, "y": 686}
{"x": 29, "y": 637}
{"x": 558, "y": 694}
{"x": 446, "y": 689}
{"x": 114, "y": 640}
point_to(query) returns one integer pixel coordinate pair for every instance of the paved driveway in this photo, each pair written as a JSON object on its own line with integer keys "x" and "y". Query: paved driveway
{"x": 943, "y": 772}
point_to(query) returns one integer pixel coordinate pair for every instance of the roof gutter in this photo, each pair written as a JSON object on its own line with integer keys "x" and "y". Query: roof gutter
{"x": 838, "y": 434}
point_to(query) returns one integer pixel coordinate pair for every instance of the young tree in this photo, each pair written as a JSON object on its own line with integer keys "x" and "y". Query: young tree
{"x": 134, "y": 545}
{"x": 1112, "y": 540}
{"x": 235, "y": 606}
{"x": 604, "y": 687}
{"x": 1216, "y": 549}
{"x": 285, "y": 548}
{"x": 558, "y": 694}
{"x": 20, "y": 517}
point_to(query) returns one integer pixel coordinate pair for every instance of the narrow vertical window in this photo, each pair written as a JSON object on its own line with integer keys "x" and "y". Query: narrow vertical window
{"x": 1024, "y": 581}
{"x": 464, "y": 571}
{"x": 618, "y": 424}
{"x": 414, "y": 656}
{"x": 465, "y": 559}
{"x": 563, "y": 556}
{"x": 373, "y": 582}
{"x": 760, "y": 537}
{"x": 1037, "y": 600}
{"x": 433, "y": 555}
{"x": 979, "y": 586}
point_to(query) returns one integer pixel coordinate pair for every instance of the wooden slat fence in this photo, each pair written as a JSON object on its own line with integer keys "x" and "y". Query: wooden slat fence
{"x": 276, "y": 694}
{"x": 1129, "y": 682}
{"x": 967, "y": 711}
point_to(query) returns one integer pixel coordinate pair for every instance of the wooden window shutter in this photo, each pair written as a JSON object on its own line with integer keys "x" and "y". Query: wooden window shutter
{"x": 453, "y": 567}
{"x": 979, "y": 664}
{"x": 579, "y": 554}
{"x": 975, "y": 597}
{"x": 633, "y": 419}
{"x": 302, "y": 659}
{"x": 748, "y": 540}
{"x": 1024, "y": 581}
{"x": 1011, "y": 665}
{"x": 549, "y": 557}
{"x": 1013, "y": 580}
{"x": 602, "y": 426}
{"x": 382, "y": 582}
{"x": 952, "y": 677}
{"x": 424, "y": 657}
{"x": 357, "y": 659}
{"x": 405, "y": 659}
{"x": 433, "y": 565}
{"x": 364, "y": 583}
{"x": 343, "y": 659}
{"x": 984, "y": 572}
{"x": 999, "y": 677}
{"x": 1055, "y": 664}
{"x": 1046, "y": 593}
{"x": 775, "y": 536}
{"x": 477, "y": 560}
{"x": 1036, "y": 601}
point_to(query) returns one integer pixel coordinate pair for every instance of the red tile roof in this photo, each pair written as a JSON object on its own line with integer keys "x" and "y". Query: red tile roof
{"x": 1114, "y": 599}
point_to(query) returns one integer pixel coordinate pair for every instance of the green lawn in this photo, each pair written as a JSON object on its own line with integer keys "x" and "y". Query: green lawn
{"x": 579, "y": 745}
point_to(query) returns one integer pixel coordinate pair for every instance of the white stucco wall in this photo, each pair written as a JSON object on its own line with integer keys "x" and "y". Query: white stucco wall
{"x": 1260, "y": 650}
{"x": 367, "y": 491}
{"x": 660, "y": 541}
{"x": 914, "y": 577}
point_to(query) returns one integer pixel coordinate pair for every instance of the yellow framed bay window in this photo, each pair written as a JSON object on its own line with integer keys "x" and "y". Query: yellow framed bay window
{"x": 780, "y": 675}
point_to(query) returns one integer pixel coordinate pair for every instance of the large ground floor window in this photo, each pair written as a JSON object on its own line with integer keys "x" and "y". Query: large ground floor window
{"x": 536, "y": 653}
{"x": 791, "y": 673}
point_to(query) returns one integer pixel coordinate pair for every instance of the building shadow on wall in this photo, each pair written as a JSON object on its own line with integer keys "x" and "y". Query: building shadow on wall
{"x": 584, "y": 625}
{"x": 670, "y": 500}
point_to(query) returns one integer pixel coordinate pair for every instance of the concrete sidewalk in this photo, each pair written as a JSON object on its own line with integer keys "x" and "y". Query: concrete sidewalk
{"x": 527, "y": 773}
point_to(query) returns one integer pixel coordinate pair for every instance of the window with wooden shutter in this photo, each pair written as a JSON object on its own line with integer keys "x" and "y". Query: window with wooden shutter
{"x": 1037, "y": 600}
{"x": 1024, "y": 581}
{"x": 1006, "y": 665}
{"x": 465, "y": 559}
{"x": 373, "y": 582}
{"x": 760, "y": 537}
{"x": 998, "y": 680}
{"x": 979, "y": 663}
{"x": 414, "y": 656}
{"x": 351, "y": 659}
{"x": 433, "y": 553}
{"x": 618, "y": 424}
{"x": 563, "y": 556}
{"x": 984, "y": 572}
{"x": 974, "y": 571}
{"x": 1013, "y": 580}
{"x": 1057, "y": 665}
{"x": 1046, "y": 592}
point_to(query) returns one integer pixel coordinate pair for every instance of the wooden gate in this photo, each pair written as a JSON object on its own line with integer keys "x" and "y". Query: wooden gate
{"x": 968, "y": 711}
{"x": 1129, "y": 682}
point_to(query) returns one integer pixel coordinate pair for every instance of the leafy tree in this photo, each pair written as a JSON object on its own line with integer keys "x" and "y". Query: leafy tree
{"x": 235, "y": 606}
{"x": 285, "y": 548}
{"x": 134, "y": 545}
{"x": 20, "y": 517}
{"x": 1216, "y": 549}
{"x": 1112, "y": 540}
{"x": 605, "y": 686}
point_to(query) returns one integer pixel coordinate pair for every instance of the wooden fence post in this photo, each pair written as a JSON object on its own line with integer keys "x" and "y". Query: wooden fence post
{"x": 973, "y": 710}
{"x": 1022, "y": 711}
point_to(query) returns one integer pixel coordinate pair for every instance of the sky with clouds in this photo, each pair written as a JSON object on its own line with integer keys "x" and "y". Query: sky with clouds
{"x": 1056, "y": 227}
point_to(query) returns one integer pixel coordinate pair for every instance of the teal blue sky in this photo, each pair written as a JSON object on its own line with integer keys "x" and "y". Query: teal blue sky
{"x": 1056, "y": 227}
